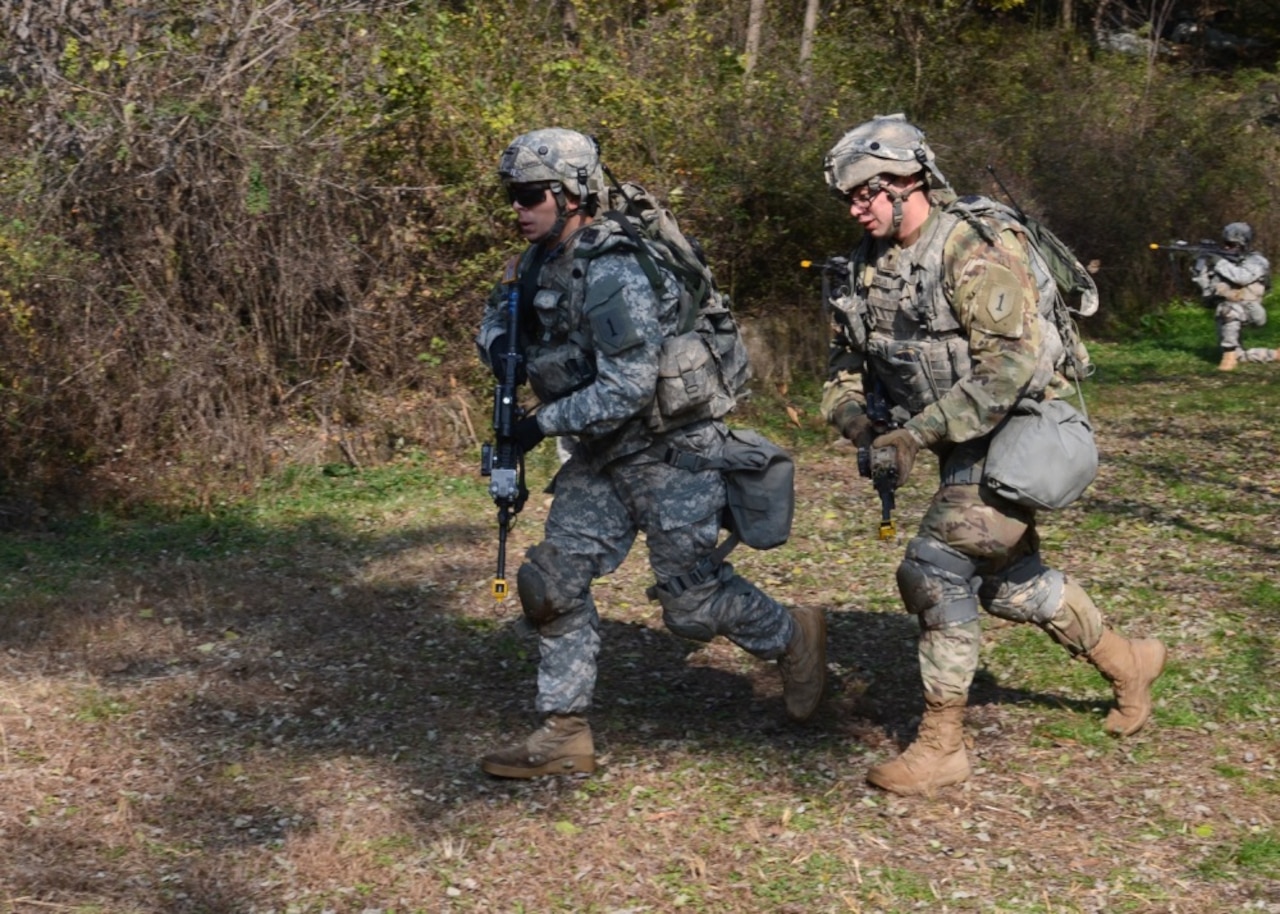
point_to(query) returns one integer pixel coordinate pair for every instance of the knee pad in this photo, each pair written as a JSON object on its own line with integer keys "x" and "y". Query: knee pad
{"x": 551, "y": 585}
{"x": 936, "y": 584}
{"x": 532, "y": 588}
{"x": 689, "y": 610}
{"x": 1026, "y": 591}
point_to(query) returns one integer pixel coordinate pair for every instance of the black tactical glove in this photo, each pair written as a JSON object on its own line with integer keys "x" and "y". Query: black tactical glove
{"x": 527, "y": 434}
{"x": 497, "y": 351}
{"x": 905, "y": 446}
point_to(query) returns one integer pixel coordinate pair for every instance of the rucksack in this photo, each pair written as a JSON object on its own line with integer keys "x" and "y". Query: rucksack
{"x": 1066, "y": 288}
{"x": 703, "y": 369}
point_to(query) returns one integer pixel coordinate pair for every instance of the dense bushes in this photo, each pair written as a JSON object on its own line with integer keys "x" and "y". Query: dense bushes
{"x": 220, "y": 218}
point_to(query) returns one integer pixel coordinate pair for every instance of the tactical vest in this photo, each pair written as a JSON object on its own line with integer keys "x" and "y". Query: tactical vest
{"x": 1251, "y": 292}
{"x": 899, "y": 316}
{"x": 558, "y": 350}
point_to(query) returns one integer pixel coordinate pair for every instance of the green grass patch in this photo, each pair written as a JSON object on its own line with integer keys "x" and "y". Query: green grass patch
{"x": 1025, "y": 657}
{"x": 1256, "y": 855}
{"x": 1179, "y": 339}
{"x": 1263, "y": 595}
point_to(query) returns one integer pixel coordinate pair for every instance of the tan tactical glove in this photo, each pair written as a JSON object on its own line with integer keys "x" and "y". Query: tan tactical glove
{"x": 905, "y": 446}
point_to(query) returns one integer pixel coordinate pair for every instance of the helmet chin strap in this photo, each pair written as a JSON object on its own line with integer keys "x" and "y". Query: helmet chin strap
{"x": 896, "y": 196}
{"x": 563, "y": 215}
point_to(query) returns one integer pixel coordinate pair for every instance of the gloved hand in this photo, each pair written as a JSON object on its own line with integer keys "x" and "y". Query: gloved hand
{"x": 498, "y": 349}
{"x": 854, "y": 425}
{"x": 905, "y": 447}
{"x": 527, "y": 434}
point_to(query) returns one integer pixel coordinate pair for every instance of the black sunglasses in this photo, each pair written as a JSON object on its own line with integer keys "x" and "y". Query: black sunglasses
{"x": 526, "y": 196}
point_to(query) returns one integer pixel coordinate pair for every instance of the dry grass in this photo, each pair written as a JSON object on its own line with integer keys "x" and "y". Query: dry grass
{"x": 284, "y": 715}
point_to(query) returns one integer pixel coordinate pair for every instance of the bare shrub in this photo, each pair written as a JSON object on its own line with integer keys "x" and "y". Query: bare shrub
{"x": 236, "y": 234}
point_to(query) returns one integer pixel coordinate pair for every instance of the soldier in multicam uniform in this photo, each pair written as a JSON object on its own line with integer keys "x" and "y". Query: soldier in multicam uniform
{"x": 946, "y": 324}
{"x": 1234, "y": 286}
{"x": 593, "y": 330}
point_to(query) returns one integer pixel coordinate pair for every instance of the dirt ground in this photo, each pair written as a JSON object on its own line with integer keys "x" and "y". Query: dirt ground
{"x": 291, "y": 723}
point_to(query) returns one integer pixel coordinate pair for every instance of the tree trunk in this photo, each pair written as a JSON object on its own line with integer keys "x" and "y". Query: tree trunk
{"x": 569, "y": 22}
{"x": 755, "y": 22}
{"x": 806, "y": 40}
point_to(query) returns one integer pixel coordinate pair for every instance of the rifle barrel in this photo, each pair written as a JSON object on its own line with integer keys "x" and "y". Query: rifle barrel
{"x": 500, "y": 576}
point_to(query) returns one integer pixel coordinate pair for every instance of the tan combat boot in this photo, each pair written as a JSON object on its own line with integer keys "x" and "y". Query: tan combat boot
{"x": 1229, "y": 359}
{"x": 804, "y": 665}
{"x": 562, "y": 745}
{"x": 1130, "y": 667}
{"x": 936, "y": 759}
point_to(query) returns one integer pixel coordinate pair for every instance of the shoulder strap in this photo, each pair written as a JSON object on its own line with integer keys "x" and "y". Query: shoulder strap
{"x": 642, "y": 250}
{"x": 530, "y": 267}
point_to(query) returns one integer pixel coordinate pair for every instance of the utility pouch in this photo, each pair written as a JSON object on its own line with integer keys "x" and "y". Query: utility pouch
{"x": 700, "y": 373}
{"x": 1043, "y": 455}
{"x": 760, "y": 498}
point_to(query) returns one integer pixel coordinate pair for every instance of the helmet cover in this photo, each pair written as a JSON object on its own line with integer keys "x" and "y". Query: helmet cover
{"x": 555, "y": 155}
{"x": 886, "y": 144}
{"x": 1240, "y": 233}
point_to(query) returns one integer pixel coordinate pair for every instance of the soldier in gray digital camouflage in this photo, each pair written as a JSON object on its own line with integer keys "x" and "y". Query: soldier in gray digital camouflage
{"x": 592, "y": 329}
{"x": 937, "y": 337}
{"x": 1233, "y": 283}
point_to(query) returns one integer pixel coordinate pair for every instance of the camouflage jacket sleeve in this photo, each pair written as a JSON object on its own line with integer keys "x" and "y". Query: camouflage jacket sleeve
{"x": 1201, "y": 277}
{"x": 1252, "y": 268}
{"x": 993, "y": 293}
{"x": 624, "y": 320}
{"x": 842, "y": 394}
{"x": 494, "y": 321}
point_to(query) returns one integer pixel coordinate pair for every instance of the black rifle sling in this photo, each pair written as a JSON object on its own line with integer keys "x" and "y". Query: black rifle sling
{"x": 529, "y": 288}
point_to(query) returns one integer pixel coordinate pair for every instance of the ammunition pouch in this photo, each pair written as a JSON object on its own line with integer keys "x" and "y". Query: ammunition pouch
{"x": 557, "y": 371}
{"x": 701, "y": 373}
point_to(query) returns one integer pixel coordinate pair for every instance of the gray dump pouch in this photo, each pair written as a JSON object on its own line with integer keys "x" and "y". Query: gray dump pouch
{"x": 1043, "y": 456}
{"x": 759, "y": 486}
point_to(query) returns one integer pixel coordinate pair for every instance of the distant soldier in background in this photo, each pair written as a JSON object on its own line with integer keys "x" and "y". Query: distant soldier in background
{"x": 1233, "y": 284}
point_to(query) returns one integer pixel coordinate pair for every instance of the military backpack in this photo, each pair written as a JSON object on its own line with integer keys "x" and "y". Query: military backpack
{"x": 703, "y": 368}
{"x": 1066, "y": 288}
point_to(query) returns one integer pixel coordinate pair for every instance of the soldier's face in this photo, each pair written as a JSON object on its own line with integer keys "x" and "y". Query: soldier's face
{"x": 873, "y": 210}
{"x": 534, "y": 217}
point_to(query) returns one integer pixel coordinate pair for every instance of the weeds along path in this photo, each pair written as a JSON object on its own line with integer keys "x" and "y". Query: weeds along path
{"x": 280, "y": 707}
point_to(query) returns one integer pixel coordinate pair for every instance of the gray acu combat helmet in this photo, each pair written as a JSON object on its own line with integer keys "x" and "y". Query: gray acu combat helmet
{"x": 565, "y": 159}
{"x": 886, "y": 144}
{"x": 1238, "y": 233}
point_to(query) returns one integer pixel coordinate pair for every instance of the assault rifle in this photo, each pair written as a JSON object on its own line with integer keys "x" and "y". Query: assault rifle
{"x": 1203, "y": 249}
{"x": 836, "y": 280}
{"x": 877, "y": 465}
{"x": 503, "y": 461}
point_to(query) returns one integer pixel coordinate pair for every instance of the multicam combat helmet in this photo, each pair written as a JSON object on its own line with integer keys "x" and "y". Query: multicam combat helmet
{"x": 1238, "y": 233}
{"x": 886, "y": 144}
{"x": 564, "y": 159}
